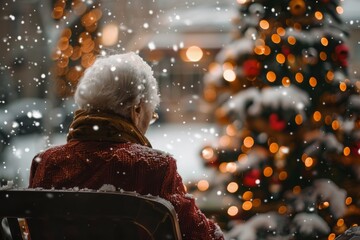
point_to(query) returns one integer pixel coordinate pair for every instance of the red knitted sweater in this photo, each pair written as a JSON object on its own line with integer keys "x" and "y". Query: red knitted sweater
{"x": 129, "y": 166}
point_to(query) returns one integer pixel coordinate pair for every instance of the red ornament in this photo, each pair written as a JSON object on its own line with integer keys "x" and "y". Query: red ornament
{"x": 276, "y": 123}
{"x": 251, "y": 68}
{"x": 251, "y": 177}
{"x": 285, "y": 50}
{"x": 355, "y": 149}
{"x": 342, "y": 54}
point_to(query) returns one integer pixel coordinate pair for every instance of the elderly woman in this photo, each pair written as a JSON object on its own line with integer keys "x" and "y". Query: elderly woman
{"x": 117, "y": 97}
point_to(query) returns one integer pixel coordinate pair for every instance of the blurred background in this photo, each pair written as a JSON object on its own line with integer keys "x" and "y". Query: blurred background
{"x": 46, "y": 45}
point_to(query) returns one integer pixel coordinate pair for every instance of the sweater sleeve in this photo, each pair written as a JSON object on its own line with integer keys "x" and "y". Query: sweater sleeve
{"x": 193, "y": 223}
{"x": 34, "y": 165}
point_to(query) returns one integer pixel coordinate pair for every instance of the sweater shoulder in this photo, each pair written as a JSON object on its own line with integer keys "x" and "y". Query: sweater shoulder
{"x": 148, "y": 151}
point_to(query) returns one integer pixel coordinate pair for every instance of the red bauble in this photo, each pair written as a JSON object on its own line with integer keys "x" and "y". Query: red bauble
{"x": 355, "y": 149}
{"x": 276, "y": 123}
{"x": 285, "y": 50}
{"x": 342, "y": 54}
{"x": 251, "y": 68}
{"x": 251, "y": 177}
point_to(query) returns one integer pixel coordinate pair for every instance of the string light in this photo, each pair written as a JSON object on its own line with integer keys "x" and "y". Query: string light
{"x": 268, "y": 171}
{"x": 318, "y": 15}
{"x": 271, "y": 76}
{"x": 232, "y": 211}
{"x": 298, "y": 119}
{"x": 346, "y": 151}
{"x": 194, "y": 53}
{"x": 324, "y": 41}
{"x": 229, "y": 75}
{"x": 248, "y": 142}
{"x": 313, "y": 81}
{"x": 276, "y": 38}
{"x": 203, "y": 185}
{"x": 247, "y": 205}
{"x": 299, "y": 77}
{"x": 232, "y": 187}
{"x": 264, "y": 24}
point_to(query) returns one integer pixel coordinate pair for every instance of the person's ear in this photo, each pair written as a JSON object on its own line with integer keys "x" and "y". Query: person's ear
{"x": 135, "y": 114}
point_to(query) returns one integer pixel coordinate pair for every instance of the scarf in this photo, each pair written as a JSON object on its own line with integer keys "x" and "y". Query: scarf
{"x": 106, "y": 127}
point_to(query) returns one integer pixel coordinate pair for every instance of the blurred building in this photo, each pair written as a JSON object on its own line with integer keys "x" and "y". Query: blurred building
{"x": 180, "y": 39}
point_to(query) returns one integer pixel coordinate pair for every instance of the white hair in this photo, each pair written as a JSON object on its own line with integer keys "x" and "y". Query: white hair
{"x": 116, "y": 83}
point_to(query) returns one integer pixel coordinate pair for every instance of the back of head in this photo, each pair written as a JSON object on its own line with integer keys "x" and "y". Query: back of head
{"x": 116, "y": 83}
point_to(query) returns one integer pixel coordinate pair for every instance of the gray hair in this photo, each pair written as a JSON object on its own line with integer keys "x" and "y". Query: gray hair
{"x": 116, "y": 83}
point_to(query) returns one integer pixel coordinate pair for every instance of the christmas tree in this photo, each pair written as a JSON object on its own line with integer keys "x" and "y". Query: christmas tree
{"x": 287, "y": 160}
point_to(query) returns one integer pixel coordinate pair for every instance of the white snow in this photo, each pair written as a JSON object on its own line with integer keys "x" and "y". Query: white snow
{"x": 183, "y": 141}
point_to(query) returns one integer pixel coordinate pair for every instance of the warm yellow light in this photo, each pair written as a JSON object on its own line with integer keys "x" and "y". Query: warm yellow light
{"x": 232, "y": 187}
{"x": 256, "y": 202}
{"x": 331, "y": 236}
{"x": 324, "y": 205}
{"x": 286, "y": 81}
{"x": 110, "y": 35}
{"x": 335, "y": 125}
{"x": 274, "y": 147}
{"x": 227, "y": 65}
{"x": 317, "y": 116}
{"x": 296, "y": 189}
{"x": 57, "y": 12}
{"x": 224, "y": 141}
{"x": 298, "y": 119}
{"x": 291, "y": 40}
{"x": 259, "y": 50}
{"x": 247, "y": 195}
{"x": 340, "y": 222}
{"x": 268, "y": 171}
{"x": 229, "y": 75}
{"x": 318, "y": 15}
{"x": 330, "y": 75}
{"x": 346, "y": 151}
{"x": 339, "y": 10}
{"x": 222, "y": 167}
{"x": 271, "y": 76}
{"x": 324, "y": 41}
{"x": 241, "y": 1}
{"x": 242, "y": 157}
{"x": 282, "y": 209}
{"x": 299, "y": 77}
{"x": 276, "y": 38}
{"x": 342, "y": 86}
{"x": 281, "y": 31}
{"x": 208, "y": 153}
{"x": 313, "y": 81}
{"x": 248, "y": 142}
{"x": 309, "y": 162}
{"x": 291, "y": 58}
{"x": 232, "y": 211}
{"x": 323, "y": 56}
{"x": 247, "y": 205}
{"x": 63, "y": 43}
{"x": 283, "y": 175}
{"x": 203, "y": 185}
{"x": 231, "y": 167}
{"x": 194, "y": 53}
{"x": 348, "y": 200}
{"x": 231, "y": 130}
{"x": 280, "y": 58}
{"x": 267, "y": 50}
{"x": 264, "y": 24}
